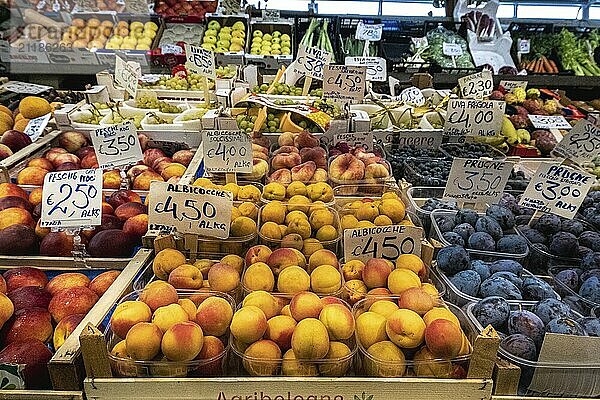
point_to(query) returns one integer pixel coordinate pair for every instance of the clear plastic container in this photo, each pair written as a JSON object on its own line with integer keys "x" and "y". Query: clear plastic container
{"x": 125, "y": 367}
{"x": 243, "y": 365}
{"x": 418, "y": 196}
{"x": 489, "y": 151}
{"x": 575, "y": 300}
{"x": 369, "y": 365}
{"x": 363, "y": 180}
{"x": 436, "y": 234}
{"x": 149, "y": 122}
{"x": 551, "y": 371}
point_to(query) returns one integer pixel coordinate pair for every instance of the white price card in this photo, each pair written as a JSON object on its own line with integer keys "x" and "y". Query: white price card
{"x": 387, "y": 242}
{"x": 364, "y": 139}
{"x": 418, "y": 138}
{"x": 227, "y": 151}
{"x": 117, "y": 145}
{"x": 200, "y": 61}
{"x": 376, "y": 67}
{"x": 310, "y": 61}
{"x": 189, "y": 209}
{"x": 581, "y": 144}
{"x": 72, "y": 199}
{"x": 557, "y": 189}
{"x": 474, "y": 117}
{"x": 524, "y": 46}
{"x": 25, "y": 88}
{"x": 476, "y": 86}
{"x": 477, "y": 180}
{"x": 344, "y": 82}
{"x": 127, "y": 75}
{"x": 370, "y": 32}
{"x": 412, "y": 96}
{"x": 36, "y": 126}
{"x": 452, "y": 49}
{"x": 594, "y": 118}
{"x": 511, "y": 85}
{"x": 549, "y": 122}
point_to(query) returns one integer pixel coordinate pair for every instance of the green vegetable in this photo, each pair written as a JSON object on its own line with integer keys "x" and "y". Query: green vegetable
{"x": 577, "y": 53}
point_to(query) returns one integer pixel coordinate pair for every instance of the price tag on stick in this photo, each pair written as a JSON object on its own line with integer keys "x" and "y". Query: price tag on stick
{"x": 344, "y": 82}
{"x": 474, "y": 117}
{"x": 376, "y": 67}
{"x": 190, "y": 209}
{"x": 477, "y": 180}
{"x": 382, "y": 242}
{"x": 227, "y": 151}
{"x": 370, "y": 32}
{"x": 36, "y": 126}
{"x": 72, "y": 199}
{"x": 364, "y": 139}
{"x": 452, "y": 49}
{"x": 581, "y": 144}
{"x": 511, "y": 85}
{"x": 310, "y": 62}
{"x": 117, "y": 145}
{"x": 200, "y": 61}
{"x": 557, "y": 189}
{"x": 127, "y": 75}
{"x": 476, "y": 86}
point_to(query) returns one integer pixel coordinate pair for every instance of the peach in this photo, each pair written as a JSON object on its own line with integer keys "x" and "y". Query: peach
{"x": 265, "y": 301}
{"x": 290, "y": 366}
{"x": 143, "y": 341}
{"x": 111, "y": 180}
{"x": 259, "y": 276}
{"x": 143, "y": 180}
{"x": 173, "y": 169}
{"x": 31, "y": 176}
{"x": 353, "y": 269}
{"x": 427, "y": 365}
{"x": 405, "y": 328}
{"x": 376, "y": 272}
{"x": 67, "y": 280}
{"x": 262, "y": 358}
{"x": 370, "y": 328}
{"x": 151, "y": 155}
{"x": 310, "y": 246}
{"x": 440, "y": 313}
{"x": 7, "y": 309}
{"x": 325, "y": 279}
{"x": 24, "y": 276}
{"x": 223, "y": 278}
{"x": 127, "y": 314}
{"x": 400, "y": 280}
{"x": 417, "y": 300}
{"x": 376, "y": 171}
{"x": 286, "y": 311}
{"x": 235, "y": 261}
{"x": 89, "y": 161}
{"x": 338, "y": 320}
{"x": 310, "y": 339}
{"x": 383, "y": 307}
{"x": 413, "y": 263}
{"x": 293, "y": 279}
{"x": 305, "y": 305}
{"x": 280, "y": 329}
{"x": 346, "y": 167}
{"x": 102, "y": 282}
{"x": 120, "y": 350}
{"x": 214, "y": 316}
{"x": 166, "y": 261}
{"x": 355, "y": 290}
{"x": 386, "y": 360}
{"x": 75, "y": 300}
{"x": 186, "y": 276}
{"x": 64, "y": 328}
{"x": 158, "y": 294}
{"x": 212, "y": 347}
{"x": 293, "y": 240}
{"x": 15, "y": 215}
{"x": 166, "y": 316}
{"x": 35, "y": 197}
{"x": 10, "y": 189}
{"x": 248, "y": 324}
{"x": 41, "y": 163}
{"x": 15, "y": 201}
{"x": 443, "y": 338}
{"x": 340, "y": 363}
{"x": 128, "y": 210}
{"x": 322, "y": 257}
{"x": 303, "y": 172}
{"x": 182, "y": 341}
{"x": 123, "y": 196}
{"x": 282, "y": 258}
{"x": 29, "y": 323}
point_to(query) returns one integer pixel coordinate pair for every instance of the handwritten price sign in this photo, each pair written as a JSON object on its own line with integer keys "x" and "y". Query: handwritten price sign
{"x": 227, "y": 151}
{"x": 376, "y": 67}
{"x": 474, "y": 117}
{"x": 557, "y": 189}
{"x": 549, "y": 122}
{"x": 72, "y": 199}
{"x": 189, "y": 209}
{"x": 36, "y": 126}
{"x": 412, "y": 96}
{"x": 117, "y": 145}
{"x": 127, "y": 75}
{"x": 200, "y": 61}
{"x": 481, "y": 181}
{"x": 581, "y": 144}
{"x": 311, "y": 60}
{"x": 476, "y": 86}
{"x": 382, "y": 242}
{"x": 370, "y": 32}
{"x": 511, "y": 85}
{"x": 344, "y": 82}
{"x": 452, "y": 49}
{"x": 364, "y": 139}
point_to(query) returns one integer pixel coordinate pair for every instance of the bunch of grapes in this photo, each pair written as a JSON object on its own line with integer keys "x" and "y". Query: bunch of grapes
{"x": 91, "y": 119}
{"x": 196, "y": 114}
{"x": 191, "y": 82}
{"x": 226, "y": 72}
{"x": 279, "y": 89}
{"x": 156, "y": 120}
{"x": 117, "y": 118}
{"x": 329, "y": 107}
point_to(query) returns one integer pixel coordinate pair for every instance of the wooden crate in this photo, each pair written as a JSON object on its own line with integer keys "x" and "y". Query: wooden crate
{"x": 40, "y": 395}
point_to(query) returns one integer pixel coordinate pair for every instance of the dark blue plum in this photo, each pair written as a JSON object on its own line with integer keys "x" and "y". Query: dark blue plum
{"x": 564, "y": 244}
{"x": 576, "y": 303}
{"x": 591, "y": 325}
{"x": 489, "y": 226}
{"x": 502, "y": 215}
{"x": 591, "y": 261}
{"x": 549, "y": 309}
{"x": 482, "y": 241}
{"x": 493, "y": 311}
{"x": 590, "y": 239}
{"x": 572, "y": 226}
{"x": 481, "y": 268}
{"x": 521, "y": 346}
{"x": 566, "y": 326}
{"x": 453, "y": 259}
{"x": 548, "y": 224}
{"x": 533, "y": 235}
{"x": 526, "y": 323}
{"x": 512, "y": 244}
{"x": 466, "y": 215}
{"x": 453, "y": 238}
{"x": 508, "y": 200}
{"x": 506, "y": 265}
{"x": 590, "y": 289}
{"x": 584, "y": 275}
{"x": 569, "y": 278}
{"x": 445, "y": 223}
{"x": 467, "y": 282}
{"x": 464, "y": 230}
{"x": 514, "y": 279}
{"x": 583, "y": 251}
{"x": 536, "y": 289}
{"x": 499, "y": 287}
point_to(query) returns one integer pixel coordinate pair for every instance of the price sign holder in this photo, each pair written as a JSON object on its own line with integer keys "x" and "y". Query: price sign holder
{"x": 201, "y": 61}
{"x": 581, "y": 144}
{"x": 127, "y": 75}
{"x": 474, "y": 117}
{"x": 344, "y": 83}
{"x": 36, "y": 126}
{"x": 382, "y": 242}
{"x": 476, "y": 86}
{"x": 228, "y": 152}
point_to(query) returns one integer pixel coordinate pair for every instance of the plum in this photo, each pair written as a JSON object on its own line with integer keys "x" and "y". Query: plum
{"x": 590, "y": 289}
{"x": 508, "y": 200}
{"x": 497, "y": 286}
{"x": 466, "y": 215}
{"x": 506, "y": 265}
{"x": 536, "y": 289}
{"x": 548, "y": 224}
{"x": 526, "y": 323}
{"x": 538, "y": 257}
{"x": 590, "y": 239}
{"x": 493, "y": 310}
{"x": 572, "y": 226}
{"x": 482, "y": 241}
{"x": 520, "y": 345}
{"x": 569, "y": 278}
{"x": 533, "y": 235}
{"x": 502, "y": 215}
{"x": 564, "y": 244}
{"x": 445, "y": 223}
{"x": 453, "y": 259}
{"x": 509, "y": 276}
{"x": 591, "y": 261}
{"x": 549, "y": 309}
{"x": 464, "y": 230}
{"x": 583, "y": 251}
{"x": 467, "y": 282}
{"x": 566, "y": 326}
{"x": 591, "y": 325}
{"x": 512, "y": 244}
{"x": 481, "y": 268}
{"x": 489, "y": 226}
{"x": 453, "y": 238}
{"x": 584, "y": 275}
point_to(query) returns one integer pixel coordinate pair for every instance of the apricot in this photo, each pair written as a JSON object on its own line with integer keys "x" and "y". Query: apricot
{"x": 310, "y": 246}
{"x": 383, "y": 307}
{"x": 291, "y": 366}
{"x": 427, "y": 365}
{"x": 325, "y": 279}
{"x": 223, "y": 278}
{"x": 262, "y": 358}
{"x": 310, "y": 339}
{"x": 375, "y": 273}
{"x": 189, "y": 307}
{"x": 186, "y": 276}
{"x": 143, "y": 341}
{"x": 259, "y": 276}
{"x": 280, "y": 329}
{"x": 443, "y": 338}
{"x": 167, "y": 316}
{"x": 248, "y": 324}
{"x": 214, "y": 316}
{"x": 182, "y": 341}
{"x": 386, "y": 360}
{"x": 340, "y": 361}
{"x": 293, "y": 279}
{"x": 235, "y": 261}
{"x": 370, "y": 328}
{"x": 400, "y": 280}
{"x": 127, "y": 314}
{"x": 412, "y": 262}
{"x": 405, "y": 328}
{"x": 120, "y": 350}
{"x": 417, "y": 300}
{"x": 159, "y": 293}
{"x": 265, "y": 301}
{"x": 166, "y": 261}
{"x": 305, "y": 305}
{"x": 440, "y": 312}
{"x": 338, "y": 320}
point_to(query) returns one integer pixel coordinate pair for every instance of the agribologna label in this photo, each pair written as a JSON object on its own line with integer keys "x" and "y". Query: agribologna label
{"x": 189, "y": 209}
{"x": 557, "y": 189}
{"x": 419, "y": 138}
{"x": 581, "y": 144}
{"x": 382, "y": 242}
{"x": 481, "y": 181}
{"x": 474, "y": 117}
{"x": 72, "y": 199}
{"x": 117, "y": 145}
{"x": 227, "y": 151}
